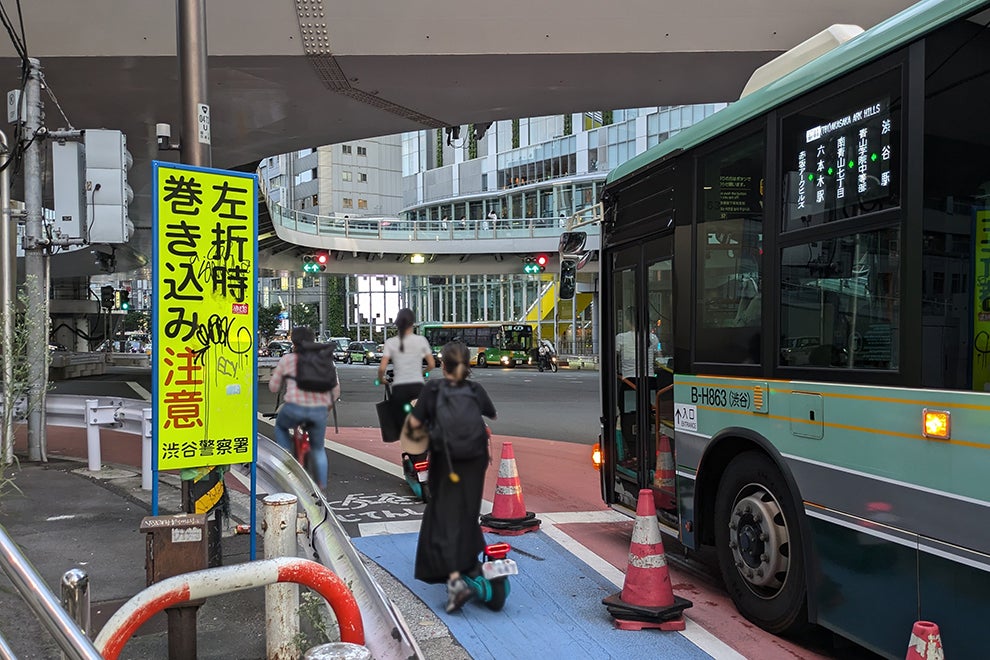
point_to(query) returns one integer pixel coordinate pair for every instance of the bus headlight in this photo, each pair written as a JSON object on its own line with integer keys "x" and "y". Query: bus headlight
{"x": 505, "y": 359}
{"x": 935, "y": 424}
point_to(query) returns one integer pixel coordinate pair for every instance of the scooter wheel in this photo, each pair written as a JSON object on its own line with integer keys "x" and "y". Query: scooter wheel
{"x": 411, "y": 479}
{"x": 500, "y": 591}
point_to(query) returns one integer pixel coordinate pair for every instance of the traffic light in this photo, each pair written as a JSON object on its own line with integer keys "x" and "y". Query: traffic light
{"x": 315, "y": 263}
{"x": 107, "y": 297}
{"x": 568, "y": 278}
{"x": 535, "y": 265}
{"x": 125, "y": 299}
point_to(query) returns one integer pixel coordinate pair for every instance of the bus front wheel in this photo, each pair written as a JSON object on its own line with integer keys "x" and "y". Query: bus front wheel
{"x": 482, "y": 360}
{"x": 759, "y": 545}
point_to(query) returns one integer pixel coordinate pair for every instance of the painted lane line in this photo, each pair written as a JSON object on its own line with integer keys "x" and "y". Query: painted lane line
{"x": 141, "y": 392}
{"x": 694, "y": 633}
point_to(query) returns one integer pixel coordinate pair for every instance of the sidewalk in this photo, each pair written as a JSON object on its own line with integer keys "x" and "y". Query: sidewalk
{"x": 65, "y": 516}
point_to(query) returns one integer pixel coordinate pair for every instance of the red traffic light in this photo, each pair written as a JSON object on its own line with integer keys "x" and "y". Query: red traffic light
{"x": 322, "y": 258}
{"x": 542, "y": 260}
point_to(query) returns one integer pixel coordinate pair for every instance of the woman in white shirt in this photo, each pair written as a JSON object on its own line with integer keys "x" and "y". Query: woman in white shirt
{"x": 406, "y": 352}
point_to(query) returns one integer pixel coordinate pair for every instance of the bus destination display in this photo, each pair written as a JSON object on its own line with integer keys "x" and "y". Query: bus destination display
{"x": 843, "y": 161}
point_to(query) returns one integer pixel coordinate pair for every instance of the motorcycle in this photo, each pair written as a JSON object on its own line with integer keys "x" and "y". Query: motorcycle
{"x": 547, "y": 360}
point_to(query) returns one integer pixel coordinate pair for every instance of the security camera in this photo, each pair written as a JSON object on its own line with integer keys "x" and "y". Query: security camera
{"x": 164, "y": 133}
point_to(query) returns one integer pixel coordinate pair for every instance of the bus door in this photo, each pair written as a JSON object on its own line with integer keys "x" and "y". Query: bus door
{"x": 641, "y": 427}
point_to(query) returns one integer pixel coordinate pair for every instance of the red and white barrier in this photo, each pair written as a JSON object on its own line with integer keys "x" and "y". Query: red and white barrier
{"x": 226, "y": 579}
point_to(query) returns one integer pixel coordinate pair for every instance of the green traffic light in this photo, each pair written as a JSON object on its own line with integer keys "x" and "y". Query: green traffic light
{"x": 811, "y": 176}
{"x": 852, "y": 164}
{"x": 873, "y": 157}
{"x": 125, "y": 306}
{"x": 830, "y": 171}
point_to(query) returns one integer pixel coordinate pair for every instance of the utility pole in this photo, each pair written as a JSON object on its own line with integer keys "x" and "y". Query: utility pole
{"x": 36, "y": 277}
{"x": 8, "y": 271}
{"x": 195, "y": 133}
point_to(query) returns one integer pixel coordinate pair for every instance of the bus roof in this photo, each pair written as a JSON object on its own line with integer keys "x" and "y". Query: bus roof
{"x": 884, "y": 37}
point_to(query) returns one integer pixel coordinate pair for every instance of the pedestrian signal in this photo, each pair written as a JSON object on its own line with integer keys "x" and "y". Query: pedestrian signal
{"x": 568, "y": 278}
{"x": 107, "y": 297}
{"x": 125, "y": 299}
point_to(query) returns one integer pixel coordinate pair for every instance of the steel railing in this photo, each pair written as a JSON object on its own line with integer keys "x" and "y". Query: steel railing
{"x": 387, "y": 634}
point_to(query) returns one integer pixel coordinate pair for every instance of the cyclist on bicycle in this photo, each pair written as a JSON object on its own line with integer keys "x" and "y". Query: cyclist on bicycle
{"x": 309, "y": 409}
{"x": 405, "y": 352}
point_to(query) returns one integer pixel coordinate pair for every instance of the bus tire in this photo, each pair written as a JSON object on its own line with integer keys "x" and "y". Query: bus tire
{"x": 482, "y": 361}
{"x": 759, "y": 545}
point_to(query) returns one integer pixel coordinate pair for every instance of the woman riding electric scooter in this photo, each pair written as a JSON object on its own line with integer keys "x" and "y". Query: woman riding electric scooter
{"x": 406, "y": 353}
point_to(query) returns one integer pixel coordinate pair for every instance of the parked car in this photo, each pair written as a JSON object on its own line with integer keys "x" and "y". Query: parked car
{"x": 365, "y": 352}
{"x": 279, "y": 348}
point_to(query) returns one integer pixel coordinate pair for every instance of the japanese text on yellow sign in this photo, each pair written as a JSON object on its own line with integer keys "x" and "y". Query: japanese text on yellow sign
{"x": 981, "y": 302}
{"x": 205, "y": 229}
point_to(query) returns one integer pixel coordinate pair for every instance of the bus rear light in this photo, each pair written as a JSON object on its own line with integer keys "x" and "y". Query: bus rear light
{"x": 935, "y": 424}
{"x": 596, "y": 456}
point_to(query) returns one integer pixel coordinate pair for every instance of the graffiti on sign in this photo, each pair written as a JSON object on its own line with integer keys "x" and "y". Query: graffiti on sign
{"x": 205, "y": 228}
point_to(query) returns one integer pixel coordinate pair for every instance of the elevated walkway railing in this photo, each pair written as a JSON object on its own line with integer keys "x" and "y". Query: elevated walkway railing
{"x": 398, "y": 229}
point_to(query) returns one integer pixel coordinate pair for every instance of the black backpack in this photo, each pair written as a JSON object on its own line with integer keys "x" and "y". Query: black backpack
{"x": 315, "y": 371}
{"x": 458, "y": 429}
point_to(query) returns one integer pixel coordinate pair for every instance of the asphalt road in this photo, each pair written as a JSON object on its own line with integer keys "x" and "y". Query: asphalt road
{"x": 553, "y": 406}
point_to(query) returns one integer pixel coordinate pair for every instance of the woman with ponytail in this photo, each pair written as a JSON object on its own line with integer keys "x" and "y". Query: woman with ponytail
{"x": 406, "y": 352}
{"x": 450, "y": 538}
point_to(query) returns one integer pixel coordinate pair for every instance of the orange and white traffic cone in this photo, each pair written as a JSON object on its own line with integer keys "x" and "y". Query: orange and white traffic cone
{"x": 926, "y": 642}
{"x": 663, "y": 475}
{"x": 509, "y": 516}
{"x": 647, "y": 599}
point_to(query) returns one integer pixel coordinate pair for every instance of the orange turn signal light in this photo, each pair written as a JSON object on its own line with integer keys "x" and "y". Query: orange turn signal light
{"x": 936, "y": 424}
{"x": 596, "y": 456}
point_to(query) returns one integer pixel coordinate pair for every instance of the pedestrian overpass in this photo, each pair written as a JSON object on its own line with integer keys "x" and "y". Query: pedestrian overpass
{"x": 290, "y": 74}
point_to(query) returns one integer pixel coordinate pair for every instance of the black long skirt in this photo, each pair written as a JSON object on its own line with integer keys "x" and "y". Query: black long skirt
{"x": 450, "y": 537}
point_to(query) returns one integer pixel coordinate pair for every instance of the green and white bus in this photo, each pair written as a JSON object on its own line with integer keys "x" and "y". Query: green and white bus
{"x": 813, "y": 265}
{"x": 505, "y": 344}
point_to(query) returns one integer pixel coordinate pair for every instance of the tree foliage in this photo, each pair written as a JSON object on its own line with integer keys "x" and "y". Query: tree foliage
{"x": 305, "y": 314}
{"x": 268, "y": 320}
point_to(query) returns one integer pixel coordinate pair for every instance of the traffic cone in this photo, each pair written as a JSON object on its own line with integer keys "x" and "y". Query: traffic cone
{"x": 926, "y": 642}
{"x": 509, "y": 516}
{"x": 647, "y": 599}
{"x": 663, "y": 476}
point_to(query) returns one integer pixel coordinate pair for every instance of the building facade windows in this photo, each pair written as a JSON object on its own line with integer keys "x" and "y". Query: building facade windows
{"x": 362, "y": 177}
{"x": 362, "y": 151}
{"x": 345, "y": 148}
{"x": 362, "y": 204}
{"x": 348, "y": 203}
{"x": 345, "y": 175}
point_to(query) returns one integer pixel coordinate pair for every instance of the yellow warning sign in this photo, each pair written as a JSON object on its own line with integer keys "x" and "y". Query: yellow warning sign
{"x": 204, "y": 316}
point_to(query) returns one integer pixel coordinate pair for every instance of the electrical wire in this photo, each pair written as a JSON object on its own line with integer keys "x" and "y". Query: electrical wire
{"x": 51, "y": 93}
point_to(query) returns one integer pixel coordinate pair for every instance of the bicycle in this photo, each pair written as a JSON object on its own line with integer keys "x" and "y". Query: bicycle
{"x": 300, "y": 441}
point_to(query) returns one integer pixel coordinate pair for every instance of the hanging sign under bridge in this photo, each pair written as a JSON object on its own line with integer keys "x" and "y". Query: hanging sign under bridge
{"x": 204, "y": 316}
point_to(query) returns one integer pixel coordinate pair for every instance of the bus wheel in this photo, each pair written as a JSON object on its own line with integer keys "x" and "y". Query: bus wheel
{"x": 759, "y": 545}
{"x": 482, "y": 360}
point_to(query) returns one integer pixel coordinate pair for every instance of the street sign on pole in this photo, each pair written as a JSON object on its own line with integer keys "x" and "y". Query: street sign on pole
{"x": 204, "y": 316}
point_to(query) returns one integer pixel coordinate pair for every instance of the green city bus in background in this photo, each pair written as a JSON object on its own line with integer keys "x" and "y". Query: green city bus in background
{"x": 813, "y": 265}
{"x": 504, "y": 344}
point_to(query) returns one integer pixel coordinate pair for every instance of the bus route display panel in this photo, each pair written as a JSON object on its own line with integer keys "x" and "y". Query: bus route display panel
{"x": 840, "y": 159}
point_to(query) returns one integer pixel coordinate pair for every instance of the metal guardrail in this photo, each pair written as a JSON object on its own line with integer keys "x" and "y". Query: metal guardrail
{"x": 387, "y": 634}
